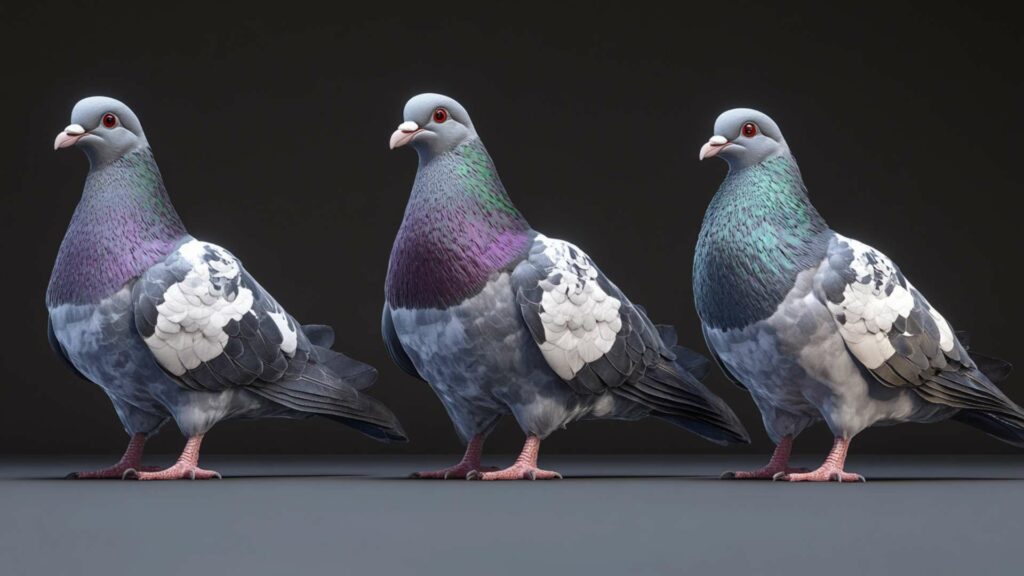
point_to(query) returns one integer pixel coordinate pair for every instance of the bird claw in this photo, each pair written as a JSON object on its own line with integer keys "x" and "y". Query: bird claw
{"x": 117, "y": 472}
{"x": 519, "y": 472}
{"x": 770, "y": 472}
{"x": 823, "y": 474}
{"x": 850, "y": 477}
{"x": 130, "y": 472}
{"x": 180, "y": 471}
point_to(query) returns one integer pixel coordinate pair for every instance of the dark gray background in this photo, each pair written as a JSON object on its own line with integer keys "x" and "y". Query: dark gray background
{"x": 271, "y": 130}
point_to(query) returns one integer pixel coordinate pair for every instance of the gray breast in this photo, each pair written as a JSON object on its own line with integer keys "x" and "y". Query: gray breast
{"x": 798, "y": 369}
{"x": 101, "y": 342}
{"x": 469, "y": 351}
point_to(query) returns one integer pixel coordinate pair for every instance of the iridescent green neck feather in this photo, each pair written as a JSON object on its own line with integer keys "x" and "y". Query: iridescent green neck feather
{"x": 759, "y": 232}
{"x": 460, "y": 227}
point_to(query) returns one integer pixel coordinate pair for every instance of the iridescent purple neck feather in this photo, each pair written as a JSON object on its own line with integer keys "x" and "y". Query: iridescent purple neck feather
{"x": 460, "y": 228}
{"x": 123, "y": 225}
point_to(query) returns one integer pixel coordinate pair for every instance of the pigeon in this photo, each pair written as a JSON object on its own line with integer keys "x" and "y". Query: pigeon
{"x": 500, "y": 319}
{"x": 170, "y": 326}
{"x": 820, "y": 326}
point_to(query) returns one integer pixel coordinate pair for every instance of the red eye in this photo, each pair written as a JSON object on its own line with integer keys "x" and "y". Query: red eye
{"x": 440, "y": 115}
{"x": 749, "y": 129}
{"x": 109, "y": 120}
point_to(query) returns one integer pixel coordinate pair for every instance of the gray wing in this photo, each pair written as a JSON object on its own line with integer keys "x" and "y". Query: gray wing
{"x": 213, "y": 327}
{"x": 596, "y": 341}
{"x": 210, "y": 324}
{"x": 892, "y": 331}
{"x": 587, "y": 330}
{"x": 394, "y": 346}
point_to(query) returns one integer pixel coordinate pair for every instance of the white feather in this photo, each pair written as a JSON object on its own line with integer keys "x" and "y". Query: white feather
{"x": 580, "y": 319}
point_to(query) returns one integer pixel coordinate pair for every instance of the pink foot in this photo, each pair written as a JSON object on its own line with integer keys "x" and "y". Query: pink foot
{"x": 830, "y": 471}
{"x": 460, "y": 471}
{"x": 827, "y": 473}
{"x": 525, "y": 467}
{"x": 779, "y": 464}
{"x": 180, "y": 471}
{"x": 130, "y": 461}
{"x": 115, "y": 472}
{"x": 187, "y": 466}
{"x": 470, "y": 463}
{"x": 517, "y": 471}
{"x": 767, "y": 473}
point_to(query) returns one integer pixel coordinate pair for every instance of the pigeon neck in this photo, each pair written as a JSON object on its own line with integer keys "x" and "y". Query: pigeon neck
{"x": 460, "y": 227}
{"x": 759, "y": 232}
{"x": 123, "y": 225}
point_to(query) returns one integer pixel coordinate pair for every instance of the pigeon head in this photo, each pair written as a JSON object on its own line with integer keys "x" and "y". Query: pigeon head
{"x": 104, "y": 128}
{"x": 434, "y": 124}
{"x": 744, "y": 137}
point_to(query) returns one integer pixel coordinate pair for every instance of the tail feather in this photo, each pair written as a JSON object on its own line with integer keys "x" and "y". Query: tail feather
{"x": 348, "y": 406}
{"x": 356, "y": 374}
{"x": 678, "y": 397}
{"x": 1008, "y": 430}
{"x": 330, "y": 385}
{"x": 693, "y": 362}
{"x": 995, "y": 369}
{"x": 997, "y": 416}
{"x": 689, "y": 360}
{"x": 320, "y": 335}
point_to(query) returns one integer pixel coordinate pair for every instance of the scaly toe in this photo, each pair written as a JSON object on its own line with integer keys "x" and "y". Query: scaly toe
{"x": 457, "y": 472}
{"x": 180, "y": 472}
{"x": 520, "y": 472}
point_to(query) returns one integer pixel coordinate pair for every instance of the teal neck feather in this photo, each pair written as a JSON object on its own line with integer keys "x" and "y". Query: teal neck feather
{"x": 759, "y": 232}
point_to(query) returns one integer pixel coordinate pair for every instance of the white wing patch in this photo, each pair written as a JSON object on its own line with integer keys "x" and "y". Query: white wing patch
{"x": 946, "y": 337}
{"x": 190, "y": 321}
{"x": 873, "y": 302}
{"x": 290, "y": 336}
{"x": 580, "y": 319}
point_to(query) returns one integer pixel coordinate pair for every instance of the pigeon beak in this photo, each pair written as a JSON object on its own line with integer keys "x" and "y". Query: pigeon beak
{"x": 405, "y": 133}
{"x": 68, "y": 136}
{"x": 713, "y": 147}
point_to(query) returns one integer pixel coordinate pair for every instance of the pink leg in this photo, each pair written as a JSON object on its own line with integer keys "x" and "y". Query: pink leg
{"x": 470, "y": 462}
{"x": 831, "y": 469}
{"x": 185, "y": 468}
{"x": 778, "y": 463}
{"x": 525, "y": 467}
{"x": 130, "y": 461}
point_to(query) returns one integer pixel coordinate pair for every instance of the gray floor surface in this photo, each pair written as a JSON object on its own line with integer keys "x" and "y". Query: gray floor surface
{"x": 611, "y": 515}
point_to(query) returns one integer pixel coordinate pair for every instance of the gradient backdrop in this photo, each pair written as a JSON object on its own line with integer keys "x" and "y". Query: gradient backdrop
{"x": 271, "y": 130}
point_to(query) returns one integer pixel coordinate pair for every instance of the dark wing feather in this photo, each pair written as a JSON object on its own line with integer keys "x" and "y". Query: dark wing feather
{"x": 213, "y": 327}
{"x": 894, "y": 333}
{"x": 597, "y": 341}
